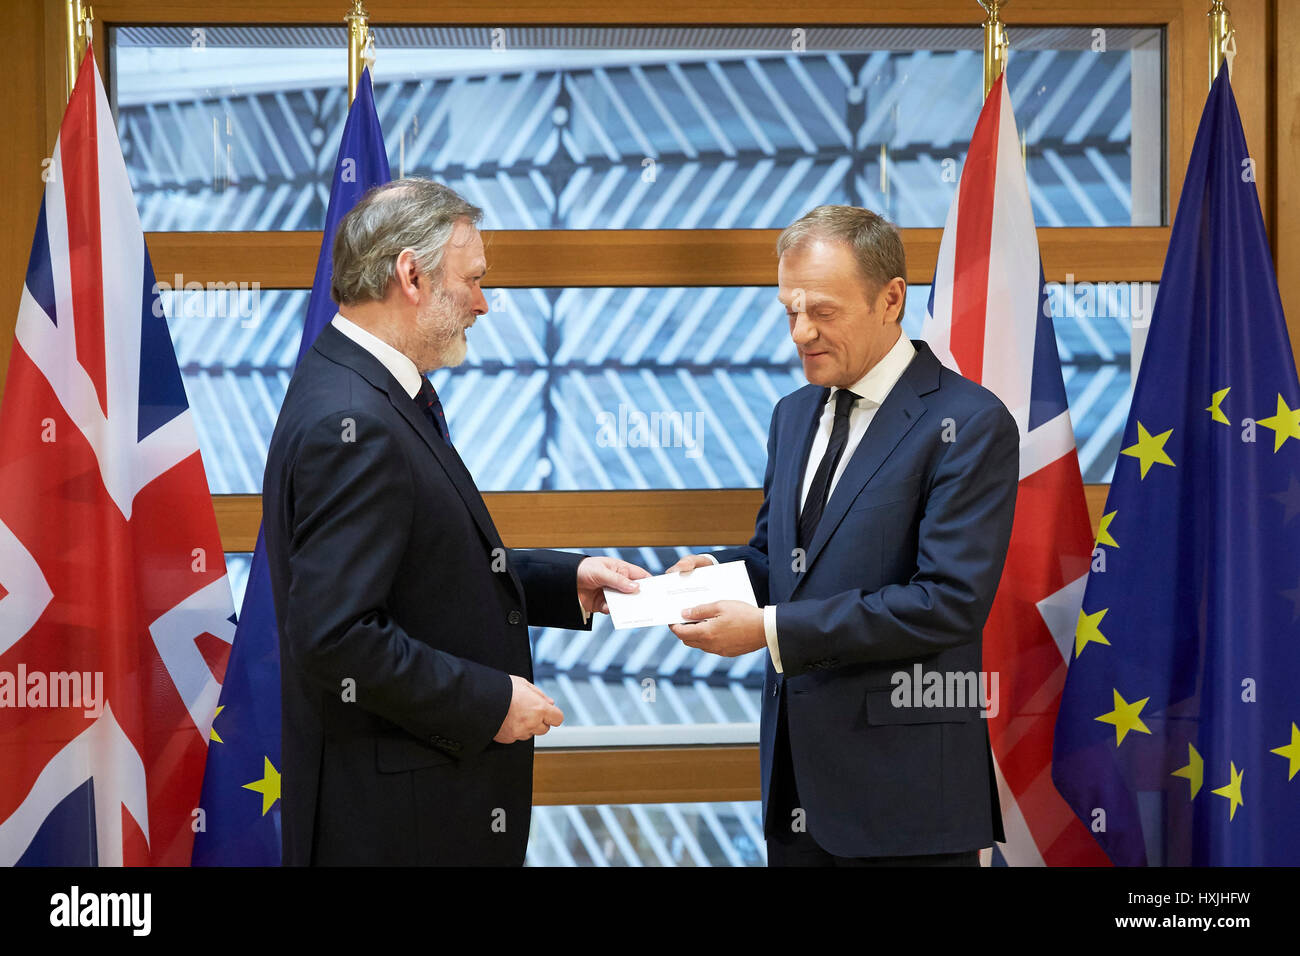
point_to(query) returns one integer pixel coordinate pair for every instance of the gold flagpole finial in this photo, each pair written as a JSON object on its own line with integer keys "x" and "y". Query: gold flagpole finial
{"x": 361, "y": 46}
{"x": 1223, "y": 38}
{"x": 79, "y": 20}
{"x": 995, "y": 43}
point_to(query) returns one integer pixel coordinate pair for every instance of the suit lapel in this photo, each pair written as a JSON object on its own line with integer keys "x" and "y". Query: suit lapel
{"x": 805, "y": 418}
{"x": 337, "y": 347}
{"x": 901, "y": 410}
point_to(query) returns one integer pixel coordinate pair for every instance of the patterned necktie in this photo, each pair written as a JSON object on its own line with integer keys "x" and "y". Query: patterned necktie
{"x": 427, "y": 399}
{"x": 818, "y": 492}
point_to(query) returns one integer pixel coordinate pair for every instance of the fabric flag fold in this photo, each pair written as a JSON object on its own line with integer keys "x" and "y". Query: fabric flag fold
{"x": 1177, "y": 739}
{"x": 988, "y": 318}
{"x": 115, "y": 610}
{"x": 241, "y": 787}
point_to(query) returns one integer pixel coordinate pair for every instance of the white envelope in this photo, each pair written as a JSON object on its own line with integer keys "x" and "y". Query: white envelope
{"x": 662, "y": 598}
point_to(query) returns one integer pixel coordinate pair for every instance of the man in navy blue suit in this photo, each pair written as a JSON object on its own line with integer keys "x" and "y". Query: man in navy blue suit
{"x": 887, "y": 510}
{"x": 408, "y": 707}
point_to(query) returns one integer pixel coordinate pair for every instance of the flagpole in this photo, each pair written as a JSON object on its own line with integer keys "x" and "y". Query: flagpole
{"x": 1223, "y": 39}
{"x": 78, "y": 20}
{"x": 995, "y": 43}
{"x": 361, "y": 45}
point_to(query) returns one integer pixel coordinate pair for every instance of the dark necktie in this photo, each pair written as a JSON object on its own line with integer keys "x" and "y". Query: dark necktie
{"x": 427, "y": 399}
{"x": 815, "y": 503}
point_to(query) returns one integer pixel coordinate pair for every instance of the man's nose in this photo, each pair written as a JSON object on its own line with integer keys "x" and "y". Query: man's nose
{"x": 802, "y": 332}
{"x": 479, "y": 304}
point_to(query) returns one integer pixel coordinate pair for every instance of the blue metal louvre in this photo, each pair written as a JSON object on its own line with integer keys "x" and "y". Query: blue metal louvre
{"x": 606, "y": 388}
{"x": 647, "y": 676}
{"x": 740, "y": 140}
{"x": 670, "y": 834}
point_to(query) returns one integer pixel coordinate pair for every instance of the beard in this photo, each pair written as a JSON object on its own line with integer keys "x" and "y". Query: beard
{"x": 438, "y": 339}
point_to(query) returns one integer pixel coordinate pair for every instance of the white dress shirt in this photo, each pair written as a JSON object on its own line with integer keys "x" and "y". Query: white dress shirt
{"x": 872, "y": 390}
{"x": 401, "y": 367}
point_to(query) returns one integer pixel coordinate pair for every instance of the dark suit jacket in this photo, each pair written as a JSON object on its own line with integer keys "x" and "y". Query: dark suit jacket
{"x": 401, "y": 617}
{"x": 902, "y": 569}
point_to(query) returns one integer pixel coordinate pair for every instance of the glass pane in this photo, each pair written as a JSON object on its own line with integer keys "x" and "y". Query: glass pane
{"x": 587, "y": 389}
{"x": 1095, "y": 324}
{"x": 645, "y": 676}
{"x": 590, "y": 128}
{"x": 668, "y": 834}
{"x": 238, "y": 564}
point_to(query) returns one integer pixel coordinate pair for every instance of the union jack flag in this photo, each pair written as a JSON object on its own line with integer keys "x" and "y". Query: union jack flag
{"x": 111, "y": 567}
{"x": 988, "y": 319}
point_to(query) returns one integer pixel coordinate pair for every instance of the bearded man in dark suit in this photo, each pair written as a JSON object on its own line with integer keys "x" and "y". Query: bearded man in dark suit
{"x": 408, "y": 708}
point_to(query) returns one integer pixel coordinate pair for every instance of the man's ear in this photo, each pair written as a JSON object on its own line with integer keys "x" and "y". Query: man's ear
{"x": 406, "y": 273}
{"x": 893, "y": 296}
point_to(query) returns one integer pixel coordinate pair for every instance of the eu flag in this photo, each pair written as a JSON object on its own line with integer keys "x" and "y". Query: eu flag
{"x": 241, "y": 784}
{"x": 1177, "y": 739}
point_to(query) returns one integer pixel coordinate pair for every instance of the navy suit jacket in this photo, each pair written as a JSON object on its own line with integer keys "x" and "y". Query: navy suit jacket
{"x": 401, "y": 619}
{"x": 902, "y": 570}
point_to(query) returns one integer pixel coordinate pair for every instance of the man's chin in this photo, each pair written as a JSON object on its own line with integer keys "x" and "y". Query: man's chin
{"x": 816, "y": 374}
{"x": 450, "y": 359}
{"x": 456, "y": 353}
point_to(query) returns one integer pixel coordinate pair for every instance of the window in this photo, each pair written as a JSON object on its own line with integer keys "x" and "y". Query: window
{"x": 590, "y": 128}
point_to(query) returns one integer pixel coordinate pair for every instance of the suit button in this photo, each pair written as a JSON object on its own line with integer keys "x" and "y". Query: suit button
{"x": 514, "y": 617}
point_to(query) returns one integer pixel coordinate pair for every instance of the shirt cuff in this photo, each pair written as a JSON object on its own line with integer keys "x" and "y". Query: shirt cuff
{"x": 712, "y": 558}
{"x": 769, "y": 629}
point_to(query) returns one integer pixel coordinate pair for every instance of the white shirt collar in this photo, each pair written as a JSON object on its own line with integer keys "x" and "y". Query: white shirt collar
{"x": 399, "y": 365}
{"x": 876, "y": 385}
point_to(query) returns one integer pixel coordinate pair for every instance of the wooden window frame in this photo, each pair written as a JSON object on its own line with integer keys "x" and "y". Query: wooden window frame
{"x": 1270, "y": 47}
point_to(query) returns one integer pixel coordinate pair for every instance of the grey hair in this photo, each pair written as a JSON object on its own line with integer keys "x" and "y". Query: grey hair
{"x": 412, "y": 213}
{"x": 875, "y": 242}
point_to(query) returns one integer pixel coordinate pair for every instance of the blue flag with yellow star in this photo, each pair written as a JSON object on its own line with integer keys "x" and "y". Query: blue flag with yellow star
{"x": 1177, "y": 739}
{"x": 241, "y": 783}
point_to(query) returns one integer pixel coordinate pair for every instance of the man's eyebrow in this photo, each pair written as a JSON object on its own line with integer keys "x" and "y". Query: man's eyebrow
{"x": 810, "y": 300}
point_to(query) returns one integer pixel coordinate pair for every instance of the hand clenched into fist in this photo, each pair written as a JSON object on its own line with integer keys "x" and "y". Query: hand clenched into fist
{"x": 531, "y": 713}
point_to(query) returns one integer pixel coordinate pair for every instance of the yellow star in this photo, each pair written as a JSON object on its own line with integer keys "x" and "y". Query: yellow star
{"x": 1103, "y": 532}
{"x": 1291, "y": 751}
{"x": 1194, "y": 772}
{"x": 1285, "y": 424}
{"x": 268, "y": 786}
{"x": 1150, "y": 449}
{"x": 1215, "y": 411}
{"x": 1125, "y": 717}
{"x": 1088, "y": 631}
{"x": 213, "y": 732}
{"x": 1232, "y": 791}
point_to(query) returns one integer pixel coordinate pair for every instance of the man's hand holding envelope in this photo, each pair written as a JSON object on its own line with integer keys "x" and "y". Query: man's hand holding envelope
{"x": 707, "y": 605}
